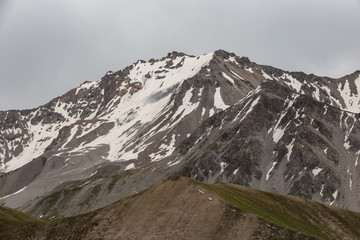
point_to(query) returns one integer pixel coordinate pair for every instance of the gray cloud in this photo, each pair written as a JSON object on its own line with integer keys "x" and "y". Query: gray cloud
{"x": 48, "y": 47}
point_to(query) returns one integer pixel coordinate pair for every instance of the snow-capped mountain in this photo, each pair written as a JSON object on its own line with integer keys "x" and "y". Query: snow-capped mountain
{"x": 215, "y": 117}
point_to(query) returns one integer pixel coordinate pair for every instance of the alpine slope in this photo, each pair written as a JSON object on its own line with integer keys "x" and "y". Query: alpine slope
{"x": 215, "y": 118}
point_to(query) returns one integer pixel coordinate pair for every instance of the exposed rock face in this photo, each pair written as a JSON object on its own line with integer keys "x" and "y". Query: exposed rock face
{"x": 280, "y": 141}
{"x": 216, "y": 117}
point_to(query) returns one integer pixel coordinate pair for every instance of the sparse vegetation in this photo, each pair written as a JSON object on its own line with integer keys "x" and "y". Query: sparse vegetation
{"x": 49, "y": 204}
{"x": 278, "y": 214}
{"x": 297, "y": 214}
{"x": 94, "y": 191}
{"x": 16, "y": 225}
{"x": 115, "y": 178}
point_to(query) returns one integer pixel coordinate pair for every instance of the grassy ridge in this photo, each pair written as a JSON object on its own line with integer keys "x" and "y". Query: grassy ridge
{"x": 16, "y": 225}
{"x": 300, "y": 215}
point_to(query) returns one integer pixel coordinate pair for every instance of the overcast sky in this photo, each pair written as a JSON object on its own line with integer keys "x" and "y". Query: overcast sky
{"x": 48, "y": 47}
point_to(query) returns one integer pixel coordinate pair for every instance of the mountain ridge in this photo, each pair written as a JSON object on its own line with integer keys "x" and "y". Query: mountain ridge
{"x": 184, "y": 208}
{"x": 145, "y": 119}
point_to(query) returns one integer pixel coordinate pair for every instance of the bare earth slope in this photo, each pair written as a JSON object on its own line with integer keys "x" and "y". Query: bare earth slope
{"x": 182, "y": 208}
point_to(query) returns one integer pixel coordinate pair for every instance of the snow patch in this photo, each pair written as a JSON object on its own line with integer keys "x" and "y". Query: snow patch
{"x": 289, "y": 148}
{"x": 271, "y": 168}
{"x": 322, "y": 189}
{"x": 347, "y": 134}
{"x": 174, "y": 163}
{"x": 237, "y": 75}
{"x": 73, "y": 131}
{"x": 352, "y": 100}
{"x": 130, "y": 166}
{"x": 223, "y": 166}
{"x": 218, "y": 101}
{"x": 92, "y": 174}
{"x": 232, "y": 60}
{"x": 149, "y": 103}
{"x": 249, "y": 69}
{"x": 186, "y": 107}
{"x": 357, "y": 158}
{"x": 203, "y": 113}
{"x": 266, "y": 76}
{"x": 335, "y": 194}
{"x": 41, "y": 135}
{"x": 294, "y": 83}
{"x": 164, "y": 150}
{"x": 253, "y": 104}
{"x": 228, "y": 78}
{"x": 316, "y": 171}
{"x": 316, "y": 94}
{"x": 326, "y": 109}
{"x": 277, "y": 134}
{"x": 278, "y": 131}
{"x": 15, "y": 193}
{"x": 87, "y": 86}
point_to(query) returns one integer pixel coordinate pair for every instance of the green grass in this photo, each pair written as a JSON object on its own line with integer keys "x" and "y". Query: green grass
{"x": 94, "y": 191}
{"x": 49, "y": 204}
{"x": 299, "y": 215}
{"x": 115, "y": 178}
{"x": 16, "y": 225}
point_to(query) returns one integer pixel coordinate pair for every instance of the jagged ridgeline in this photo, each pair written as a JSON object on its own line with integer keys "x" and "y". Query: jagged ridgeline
{"x": 215, "y": 118}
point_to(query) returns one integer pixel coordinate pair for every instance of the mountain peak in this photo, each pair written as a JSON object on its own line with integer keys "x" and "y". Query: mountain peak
{"x": 224, "y": 54}
{"x": 175, "y": 54}
{"x": 218, "y": 116}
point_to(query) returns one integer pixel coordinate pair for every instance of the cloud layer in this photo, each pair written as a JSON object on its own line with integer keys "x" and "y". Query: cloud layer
{"x": 48, "y": 47}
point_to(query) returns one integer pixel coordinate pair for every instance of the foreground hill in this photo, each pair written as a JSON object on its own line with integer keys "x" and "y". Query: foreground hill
{"x": 182, "y": 208}
{"x": 16, "y": 225}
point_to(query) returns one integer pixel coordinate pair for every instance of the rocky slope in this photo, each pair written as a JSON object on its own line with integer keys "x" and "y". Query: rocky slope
{"x": 216, "y": 117}
{"x": 182, "y": 208}
{"x": 279, "y": 141}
